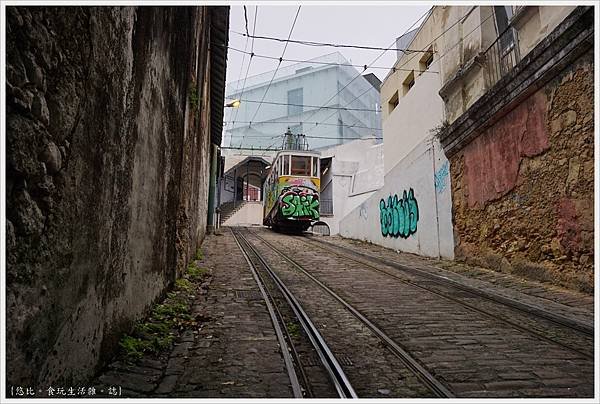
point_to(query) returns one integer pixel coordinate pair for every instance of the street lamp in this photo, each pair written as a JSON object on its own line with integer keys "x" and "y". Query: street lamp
{"x": 233, "y": 104}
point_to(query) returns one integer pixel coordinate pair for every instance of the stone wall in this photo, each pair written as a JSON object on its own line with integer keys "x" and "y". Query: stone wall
{"x": 523, "y": 190}
{"x": 107, "y": 176}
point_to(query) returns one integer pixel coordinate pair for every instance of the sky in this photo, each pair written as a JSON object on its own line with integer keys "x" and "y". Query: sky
{"x": 366, "y": 25}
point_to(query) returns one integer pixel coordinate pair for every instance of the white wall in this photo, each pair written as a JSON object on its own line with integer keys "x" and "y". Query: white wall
{"x": 249, "y": 214}
{"x": 356, "y": 172}
{"x": 425, "y": 170}
{"x": 416, "y": 114}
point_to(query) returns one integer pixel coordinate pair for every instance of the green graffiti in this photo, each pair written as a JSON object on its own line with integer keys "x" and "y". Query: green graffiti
{"x": 300, "y": 205}
{"x": 399, "y": 217}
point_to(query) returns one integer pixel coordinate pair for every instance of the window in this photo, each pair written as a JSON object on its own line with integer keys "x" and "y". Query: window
{"x": 286, "y": 165}
{"x": 301, "y": 165}
{"x": 503, "y": 15}
{"x": 295, "y": 101}
{"x": 409, "y": 82}
{"x": 315, "y": 165}
{"x": 426, "y": 60}
{"x": 393, "y": 102}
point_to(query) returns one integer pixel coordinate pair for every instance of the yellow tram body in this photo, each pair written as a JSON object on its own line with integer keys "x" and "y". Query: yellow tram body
{"x": 291, "y": 190}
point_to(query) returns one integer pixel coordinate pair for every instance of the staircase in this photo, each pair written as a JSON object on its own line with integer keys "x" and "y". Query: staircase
{"x": 228, "y": 210}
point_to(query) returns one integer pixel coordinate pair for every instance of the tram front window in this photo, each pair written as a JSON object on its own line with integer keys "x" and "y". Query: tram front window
{"x": 301, "y": 165}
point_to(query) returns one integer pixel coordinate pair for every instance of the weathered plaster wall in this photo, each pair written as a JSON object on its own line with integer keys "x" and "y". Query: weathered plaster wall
{"x": 412, "y": 212}
{"x": 523, "y": 191}
{"x": 107, "y": 170}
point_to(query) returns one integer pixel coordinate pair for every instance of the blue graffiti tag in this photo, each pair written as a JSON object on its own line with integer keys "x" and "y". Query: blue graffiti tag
{"x": 399, "y": 217}
{"x": 441, "y": 178}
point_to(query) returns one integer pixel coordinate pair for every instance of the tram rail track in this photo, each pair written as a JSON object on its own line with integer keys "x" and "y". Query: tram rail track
{"x": 569, "y": 324}
{"x": 558, "y": 319}
{"x": 330, "y": 362}
{"x": 424, "y": 375}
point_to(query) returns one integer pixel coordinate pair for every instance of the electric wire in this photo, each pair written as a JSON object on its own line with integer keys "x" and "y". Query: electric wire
{"x": 278, "y": 64}
{"x": 316, "y": 62}
{"x": 393, "y": 69}
{"x": 373, "y": 62}
{"x": 308, "y": 123}
{"x": 250, "y": 61}
{"x": 430, "y": 43}
{"x": 327, "y": 44}
{"x": 311, "y": 106}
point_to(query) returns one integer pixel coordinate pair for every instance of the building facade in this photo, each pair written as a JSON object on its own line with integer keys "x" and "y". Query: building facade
{"x": 293, "y": 97}
{"x": 411, "y": 211}
{"x": 508, "y": 93}
{"x": 520, "y": 136}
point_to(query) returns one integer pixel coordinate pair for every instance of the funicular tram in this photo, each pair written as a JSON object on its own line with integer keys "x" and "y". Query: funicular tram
{"x": 291, "y": 188}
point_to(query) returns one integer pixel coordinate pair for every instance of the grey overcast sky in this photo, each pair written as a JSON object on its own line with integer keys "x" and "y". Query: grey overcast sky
{"x": 366, "y": 25}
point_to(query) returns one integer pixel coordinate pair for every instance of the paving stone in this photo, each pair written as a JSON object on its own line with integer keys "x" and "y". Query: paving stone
{"x": 167, "y": 384}
{"x": 130, "y": 381}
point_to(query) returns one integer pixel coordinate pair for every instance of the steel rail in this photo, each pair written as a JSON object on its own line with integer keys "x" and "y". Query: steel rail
{"x": 423, "y": 374}
{"x": 469, "y": 306}
{"x": 289, "y": 365}
{"x": 331, "y": 364}
{"x": 515, "y": 304}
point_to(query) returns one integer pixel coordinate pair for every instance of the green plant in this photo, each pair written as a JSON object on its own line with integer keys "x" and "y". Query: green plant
{"x": 438, "y": 130}
{"x": 134, "y": 348}
{"x": 199, "y": 255}
{"x": 195, "y": 273}
{"x": 293, "y": 329}
{"x": 184, "y": 284}
{"x": 194, "y": 99}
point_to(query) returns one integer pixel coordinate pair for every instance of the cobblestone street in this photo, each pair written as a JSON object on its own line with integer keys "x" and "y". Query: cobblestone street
{"x": 472, "y": 346}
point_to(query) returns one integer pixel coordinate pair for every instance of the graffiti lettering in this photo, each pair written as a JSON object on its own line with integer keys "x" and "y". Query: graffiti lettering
{"x": 298, "y": 203}
{"x": 441, "y": 178}
{"x": 399, "y": 217}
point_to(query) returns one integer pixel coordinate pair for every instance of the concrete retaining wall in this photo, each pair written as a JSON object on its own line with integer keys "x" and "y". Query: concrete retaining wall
{"x": 412, "y": 212}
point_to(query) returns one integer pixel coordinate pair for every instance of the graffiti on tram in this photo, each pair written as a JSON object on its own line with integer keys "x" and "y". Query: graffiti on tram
{"x": 300, "y": 203}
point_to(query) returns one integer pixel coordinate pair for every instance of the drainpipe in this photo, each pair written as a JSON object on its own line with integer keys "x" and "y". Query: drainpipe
{"x": 210, "y": 228}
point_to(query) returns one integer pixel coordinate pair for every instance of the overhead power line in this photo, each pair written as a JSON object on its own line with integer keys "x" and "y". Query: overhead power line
{"x": 279, "y": 64}
{"x": 304, "y": 122}
{"x": 327, "y": 44}
{"x": 251, "y": 54}
{"x": 315, "y": 137}
{"x": 428, "y": 47}
{"x": 311, "y": 106}
{"x": 373, "y": 62}
{"x": 316, "y": 62}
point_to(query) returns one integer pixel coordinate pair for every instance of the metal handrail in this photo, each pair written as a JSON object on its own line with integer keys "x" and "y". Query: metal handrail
{"x": 502, "y": 55}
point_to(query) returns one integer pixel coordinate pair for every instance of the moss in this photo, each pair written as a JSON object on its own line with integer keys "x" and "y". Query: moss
{"x": 293, "y": 329}
{"x": 199, "y": 255}
{"x": 134, "y": 348}
{"x": 184, "y": 285}
{"x": 195, "y": 273}
{"x": 194, "y": 99}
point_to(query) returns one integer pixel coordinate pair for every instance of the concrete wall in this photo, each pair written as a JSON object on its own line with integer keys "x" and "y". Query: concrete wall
{"x": 412, "y": 212}
{"x": 417, "y": 114}
{"x": 107, "y": 171}
{"x": 356, "y": 173}
{"x": 251, "y": 214}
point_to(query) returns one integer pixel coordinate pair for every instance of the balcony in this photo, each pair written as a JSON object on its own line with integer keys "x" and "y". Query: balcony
{"x": 501, "y": 56}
